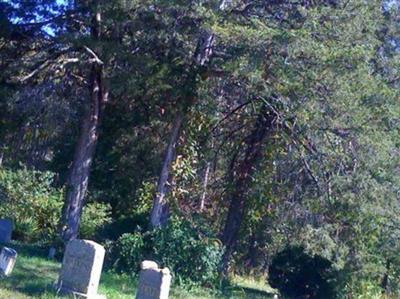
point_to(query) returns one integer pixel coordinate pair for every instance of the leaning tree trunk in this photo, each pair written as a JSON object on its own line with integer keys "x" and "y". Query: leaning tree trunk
{"x": 242, "y": 171}
{"x": 201, "y": 57}
{"x": 160, "y": 211}
{"x": 78, "y": 178}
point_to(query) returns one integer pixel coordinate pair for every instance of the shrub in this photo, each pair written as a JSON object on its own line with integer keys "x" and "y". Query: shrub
{"x": 298, "y": 275}
{"x": 94, "y": 217}
{"x": 30, "y": 200}
{"x": 191, "y": 256}
{"x": 130, "y": 251}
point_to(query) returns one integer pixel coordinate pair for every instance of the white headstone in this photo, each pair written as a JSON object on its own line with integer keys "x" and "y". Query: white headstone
{"x": 8, "y": 257}
{"x": 81, "y": 269}
{"x": 6, "y": 227}
{"x": 154, "y": 283}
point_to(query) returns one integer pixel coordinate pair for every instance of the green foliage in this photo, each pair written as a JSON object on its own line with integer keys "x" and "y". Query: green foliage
{"x": 130, "y": 250}
{"x": 29, "y": 198}
{"x": 94, "y": 217}
{"x": 114, "y": 230}
{"x": 296, "y": 275}
{"x": 192, "y": 257}
{"x": 189, "y": 254}
{"x": 364, "y": 289}
{"x": 328, "y": 179}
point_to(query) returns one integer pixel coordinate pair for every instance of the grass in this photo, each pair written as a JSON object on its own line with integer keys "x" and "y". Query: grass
{"x": 34, "y": 276}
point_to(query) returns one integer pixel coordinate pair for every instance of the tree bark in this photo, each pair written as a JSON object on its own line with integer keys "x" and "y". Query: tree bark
{"x": 385, "y": 279}
{"x": 205, "y": 183}
{"x": 78, "y": 178}
{"x": 201, "y": 58}
{"x": 160, "y": 211}
{"x": 241, "y": 172}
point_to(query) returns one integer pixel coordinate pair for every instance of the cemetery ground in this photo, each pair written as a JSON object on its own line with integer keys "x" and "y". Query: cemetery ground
{"x": 34, "y": 276}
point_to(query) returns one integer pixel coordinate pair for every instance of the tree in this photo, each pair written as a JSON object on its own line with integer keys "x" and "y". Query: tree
{"x": 77, "y": 183}
{"x": 298, "y": 78}
{"x": 197, "y": 67}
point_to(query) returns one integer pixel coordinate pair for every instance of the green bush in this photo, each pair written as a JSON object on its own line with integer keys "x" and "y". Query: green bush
{"x": 130, "y": 251}
{"x": 187, "y": 253}
{"x": 297, "y": 274}
{"x": 191, "y": 256}
{"x": 30, "y": 200}
{"x": 94, "y": 217}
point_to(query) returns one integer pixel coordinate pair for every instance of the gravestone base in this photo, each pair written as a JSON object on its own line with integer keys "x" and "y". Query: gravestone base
{"x": 77, "y": 295}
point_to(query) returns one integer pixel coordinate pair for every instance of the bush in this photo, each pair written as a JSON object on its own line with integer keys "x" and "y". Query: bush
{"x": 188, "y": 254}
{"x": 94, "y": 217}
{"x": 130, "y": 251}
{"x": 298, "y": 275}
{"x": 30, "y": 200}
{"x": 191, "y": 256}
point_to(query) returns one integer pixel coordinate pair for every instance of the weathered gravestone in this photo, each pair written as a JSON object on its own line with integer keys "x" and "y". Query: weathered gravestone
{"x": 154, "y": 283}
{"x": 8, "y": 257}
{"x": 6, "y": 227}
{"x": 81, "y": 269}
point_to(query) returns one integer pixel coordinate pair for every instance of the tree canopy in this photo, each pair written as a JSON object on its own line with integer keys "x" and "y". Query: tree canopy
{"x": 263, "y": 125}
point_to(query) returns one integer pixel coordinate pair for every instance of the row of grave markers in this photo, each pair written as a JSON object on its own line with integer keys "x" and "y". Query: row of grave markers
{"x": 81, "y": 269}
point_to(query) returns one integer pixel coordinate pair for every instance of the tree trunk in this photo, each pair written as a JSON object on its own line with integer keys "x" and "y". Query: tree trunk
{"x": 205, "y": 183}
{"x": 251, "y": 256}
{"x": 201, "y": 57}
{"x": 160, "y": 211}
{"x": 242, "y": 171}
{"x": 78, "y": 178}
{"x": 385, "y": 279}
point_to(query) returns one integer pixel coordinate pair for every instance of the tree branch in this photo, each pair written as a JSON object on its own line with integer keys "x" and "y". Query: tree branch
{"x": 94, "y": 55}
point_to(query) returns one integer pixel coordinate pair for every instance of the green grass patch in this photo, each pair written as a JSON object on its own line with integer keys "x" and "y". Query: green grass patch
{"x": 34, "y": 277}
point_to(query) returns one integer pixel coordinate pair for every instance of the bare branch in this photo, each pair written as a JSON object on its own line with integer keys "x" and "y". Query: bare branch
{"x": 233, "y": 111}
{"x": 36, "y": 71}
{"x": 96, "y": 58}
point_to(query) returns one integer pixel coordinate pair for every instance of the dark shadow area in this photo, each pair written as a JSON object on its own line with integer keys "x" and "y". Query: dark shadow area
{"x": 28, "y": 249}
{"x": 30, "y": 281}
{"x": 248, "y": 293}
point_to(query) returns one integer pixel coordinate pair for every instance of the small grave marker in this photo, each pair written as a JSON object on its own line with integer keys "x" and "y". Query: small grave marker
{"x": 6, "y": 227}
{"x": 52, "y": 253}
{"x": 8, "y": 257}
{"x": 154, "y": 283}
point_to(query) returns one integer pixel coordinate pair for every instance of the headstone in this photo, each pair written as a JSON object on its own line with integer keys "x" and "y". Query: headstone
{"x": 81, "y": 269}
{"x": 52, "y": 253}
{"x": 154, "y": 283}
{"x": 6, "y": 227}
{"x": 8, "y": 257}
